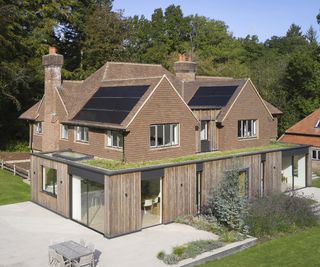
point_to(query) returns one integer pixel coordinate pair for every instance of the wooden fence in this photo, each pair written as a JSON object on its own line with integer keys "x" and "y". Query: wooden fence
{"x": 16, "y": 170}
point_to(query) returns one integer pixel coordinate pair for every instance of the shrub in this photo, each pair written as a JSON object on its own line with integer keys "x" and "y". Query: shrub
{"x": 19, "y": 146}
{"x": 279, "y": 213}
{"x": 200, "y": 222}
{"x": 189, "y": 250}
{"x": 226, "y": 203}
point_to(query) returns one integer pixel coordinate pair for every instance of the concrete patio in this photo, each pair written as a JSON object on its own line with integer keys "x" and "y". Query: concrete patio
{"x": 26, "y": 231}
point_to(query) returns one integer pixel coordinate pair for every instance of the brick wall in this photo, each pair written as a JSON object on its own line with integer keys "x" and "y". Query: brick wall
{"x": 247, "y": 106}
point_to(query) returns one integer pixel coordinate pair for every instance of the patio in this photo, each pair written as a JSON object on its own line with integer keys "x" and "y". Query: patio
{"x": 27, "y": 230}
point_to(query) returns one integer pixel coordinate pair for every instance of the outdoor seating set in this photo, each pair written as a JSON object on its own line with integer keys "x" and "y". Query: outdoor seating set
{"x": 71, "y": 254}
{"x": 149, "y": 203}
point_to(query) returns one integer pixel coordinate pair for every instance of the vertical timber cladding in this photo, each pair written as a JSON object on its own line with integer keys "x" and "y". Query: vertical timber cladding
{"x": 122, "y": 204}
{"x": 59, "y": 204}
{"x": 273, "y": 170}
{"x": 179, "y": 192}
{"x": 213, "y": 172}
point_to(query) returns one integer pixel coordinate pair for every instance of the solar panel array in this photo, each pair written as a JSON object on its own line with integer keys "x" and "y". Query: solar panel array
{"x": 212, "y": 96}
{"x": 111, "y": 104}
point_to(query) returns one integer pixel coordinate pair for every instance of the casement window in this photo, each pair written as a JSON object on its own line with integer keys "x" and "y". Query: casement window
{"x": 204, "y": 130}
{"x": 82, "y": 134}
{"x": 114, "y": 139}
{"x": 317, "y": 124}
{"x": 164, "y": 135}
{"x": 316, "y": 154}
{"x": 243, "y": 183}
{"x": 49, "y": 180}
{"x": 64, "y": 131}
{"x": 38, "y": 127}
{"x": 247, "y": 128}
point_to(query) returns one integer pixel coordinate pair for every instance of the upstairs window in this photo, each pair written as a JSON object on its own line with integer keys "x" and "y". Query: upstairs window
{"x": 316, "y": 154}
{"x": 38, "y": 127}
{"x": 64, "y": 131}
{"x": 114, "y": 139}
{"x": 204, "y": 130}
{"x": 247, "y": 128}
{"x": 317, "y": 124}
{"x": 164, "y": 135}
{"x": 82, "y": 134}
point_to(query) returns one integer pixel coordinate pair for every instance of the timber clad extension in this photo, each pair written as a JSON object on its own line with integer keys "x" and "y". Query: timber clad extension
{"x": 133, "y": 113}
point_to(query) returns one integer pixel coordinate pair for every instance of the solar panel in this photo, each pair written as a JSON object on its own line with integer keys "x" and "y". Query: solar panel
{"x": 111, "y": 104}
{"x": 212, "y": 96}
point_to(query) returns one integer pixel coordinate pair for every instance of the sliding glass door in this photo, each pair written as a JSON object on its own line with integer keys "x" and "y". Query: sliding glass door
{"x": 88, "y": 203}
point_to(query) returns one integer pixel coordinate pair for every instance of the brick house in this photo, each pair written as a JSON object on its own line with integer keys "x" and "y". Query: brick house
{"x": 138, "y": 112}
{"x": 306, "y": 131}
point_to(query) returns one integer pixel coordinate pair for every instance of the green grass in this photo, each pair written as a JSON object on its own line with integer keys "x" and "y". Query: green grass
{"x": 116, "y": 165}
{"x": 12, "y": 189}
{"x": 299, "y": 249}
{"x": 316, "y": 183}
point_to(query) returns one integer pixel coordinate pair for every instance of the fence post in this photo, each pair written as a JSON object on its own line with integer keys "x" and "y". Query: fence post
{"x": 14, "y": 169}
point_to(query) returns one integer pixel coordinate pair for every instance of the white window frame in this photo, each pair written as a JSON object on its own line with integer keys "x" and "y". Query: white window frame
{"x": 79, "y": 134}
{"x": 64, "y": 131}
{"x": 204, "y": 131}
{"x": 110, "y": 139}
{"x": 38, "y": 127}
{"x": 174, "y": 135}
{"x": 317, "y": 152}
{"x": 244, "y": 129}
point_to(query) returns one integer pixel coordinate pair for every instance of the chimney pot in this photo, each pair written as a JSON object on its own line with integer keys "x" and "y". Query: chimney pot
{"x": 52, "y": 50}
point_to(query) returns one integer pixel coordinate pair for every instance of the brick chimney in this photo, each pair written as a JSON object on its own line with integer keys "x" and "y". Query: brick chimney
{"x": 52, "y": 79}
{"x": 185, "y": 68}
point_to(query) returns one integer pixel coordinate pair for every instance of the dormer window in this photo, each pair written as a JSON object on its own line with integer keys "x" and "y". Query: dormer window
{"x": 317, "y": 124}
{"x": 38, "y": 127}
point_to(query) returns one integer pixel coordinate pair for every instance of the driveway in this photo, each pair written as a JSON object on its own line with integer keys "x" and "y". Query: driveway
{"x": 26, "y": 231}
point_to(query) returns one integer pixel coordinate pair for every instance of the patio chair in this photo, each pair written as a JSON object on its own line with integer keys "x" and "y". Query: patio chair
{"x": 147, "y": 203}
{"x": 90, "y": 246}
{"x": 84, "y": 261}
{"x": 52, "y": 258}
{"x": 58, "y": 260}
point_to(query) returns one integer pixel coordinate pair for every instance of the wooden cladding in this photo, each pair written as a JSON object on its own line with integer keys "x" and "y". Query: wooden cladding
{"x": 122, "y": 204}
{"x": 59, "y": 204}
{"x": 179, "y": 192}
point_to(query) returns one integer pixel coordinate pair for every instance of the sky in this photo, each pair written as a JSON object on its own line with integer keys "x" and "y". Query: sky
{"x": 255, "y": 17}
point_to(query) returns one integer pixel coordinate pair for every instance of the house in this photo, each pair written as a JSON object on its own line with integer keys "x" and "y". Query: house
{"x": 136, "y": 116}
{"x": 306, "y": 131}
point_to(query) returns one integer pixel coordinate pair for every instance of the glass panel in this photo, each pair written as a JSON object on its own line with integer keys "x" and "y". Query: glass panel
{"x": 286, "y": 177}
{"x": 160, "y": 135}
{"x": 96, "y": 206}
{"x": 174, "y": 129}
{"x": 109, "y": 138}
{"x": 318, "y": 155}
{"x": 114, "y": 138}
{"x": 250, "y": 133}
{"x": 314, "y": 154}
{"x": 204, "y": 130}
{"x": 151, "y": 201}
{"x": 239, "y": 129}
{"x": 49, "y": 180}
{"x": 299, "y": 171}
{"x": 167, "y": 138}
{"x": 152, "y": 135}
{"x": 120, "y": 140}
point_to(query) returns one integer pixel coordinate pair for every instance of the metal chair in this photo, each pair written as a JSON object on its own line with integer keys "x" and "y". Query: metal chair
{"x": 56, "y": 260}
{"x": 84, "y": 261}
{"x": 147, "y": 203}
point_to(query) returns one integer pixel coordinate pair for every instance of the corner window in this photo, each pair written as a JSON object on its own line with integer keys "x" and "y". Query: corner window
{"x": 316, "y": 154}
{"x": 38, "y": 127}
{"x": 64, "y": 131}
{"x": 49, "y": 180}
{"x": 164, "y": 135}
{"x": 204, "y": 130}
{"x": 114, "y": 139}
{"x": 82, "y": 134}
{"x": 247, "y": 128}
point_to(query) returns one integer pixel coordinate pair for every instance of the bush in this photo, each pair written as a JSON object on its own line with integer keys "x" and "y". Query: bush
{"x": 200, "y": 222}
{"x": 18, "y": 146}
{"x": 189, "y": 250}
{"x": 226, "y": 204}
{"x": 279, "y": 213}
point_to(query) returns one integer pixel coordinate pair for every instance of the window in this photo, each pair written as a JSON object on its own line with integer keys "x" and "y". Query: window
{"x": 49, "y": 180}
{"x": 38, "y": 127}
{"x": 316, "y": 154}
{"x": 204, "y": 130}
{"x": 64, "y": 131}
{"x": 164, "y": 135}
{"x": 317, "y": 124}
{"x": 114, "y": 139}
{"x": 247, "y": 128}
{"x": 243, "y": 183}
{"x": 82, "y": 134}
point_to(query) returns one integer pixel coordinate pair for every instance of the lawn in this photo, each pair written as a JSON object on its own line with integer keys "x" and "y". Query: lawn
{"x": 299, "y": 249}
{"x": 316, "y": 183}
{"x": 12, "y": 189}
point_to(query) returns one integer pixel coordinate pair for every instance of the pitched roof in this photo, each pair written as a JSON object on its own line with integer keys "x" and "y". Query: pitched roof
{"x": 32, "y": 113}
{"x": 273, "y": 109}
{"x": 307, "y": 126}
{"x": 300, "y": 139}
